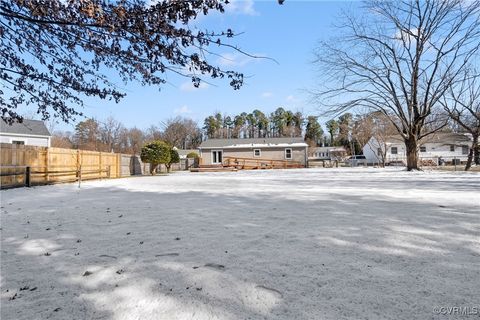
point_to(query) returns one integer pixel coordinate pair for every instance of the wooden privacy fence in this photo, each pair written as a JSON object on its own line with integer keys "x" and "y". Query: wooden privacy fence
{"x": 41, "y": 165}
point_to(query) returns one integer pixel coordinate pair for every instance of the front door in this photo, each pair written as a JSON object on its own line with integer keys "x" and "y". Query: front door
{"x": 217, "y": 156}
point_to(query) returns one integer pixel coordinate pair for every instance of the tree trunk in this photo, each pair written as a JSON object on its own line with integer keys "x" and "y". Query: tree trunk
{"x": 476, "y": 150}
{"x": 468, "y": 165}
{"x": 153, "y": 168}
{"x": 473, "y": 155}
{"x": 411, "y": 144}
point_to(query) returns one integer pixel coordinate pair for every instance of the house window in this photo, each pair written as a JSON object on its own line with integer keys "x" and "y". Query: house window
{"x": 257, "y": 153}
{"x": 18, "y": 142}
{"x": 423, "y": 149}
{"x": 452, "y": 147}
{"x": 217, "y": 157}
{"x": 394, "y": 150}
{"x": 465, "y": 149}
{"x": 288, "y": 153}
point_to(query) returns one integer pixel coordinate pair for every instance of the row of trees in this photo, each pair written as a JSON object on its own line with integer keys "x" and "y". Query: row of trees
{"x": 110, "y": 135}
{"x": 256, "y": 124}
{"x": 183, "y": 133}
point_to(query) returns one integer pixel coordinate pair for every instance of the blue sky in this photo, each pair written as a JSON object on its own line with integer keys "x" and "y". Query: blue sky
{"x": 287, "y": 33}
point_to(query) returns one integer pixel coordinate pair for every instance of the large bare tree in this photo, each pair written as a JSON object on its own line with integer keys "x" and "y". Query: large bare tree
{"x": 181, "y": 132}
{"x": 399, "y": 58}
{"x": 463, "y": 105}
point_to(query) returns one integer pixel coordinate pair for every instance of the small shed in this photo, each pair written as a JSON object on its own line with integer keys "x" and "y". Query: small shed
{"x": 29, "y": 132}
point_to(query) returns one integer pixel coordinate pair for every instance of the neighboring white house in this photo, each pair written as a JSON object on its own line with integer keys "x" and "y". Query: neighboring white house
{"x": 441, "y": 146}
{"x": 29, "y": 132}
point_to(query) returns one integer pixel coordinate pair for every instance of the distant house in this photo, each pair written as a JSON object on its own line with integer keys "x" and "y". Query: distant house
{"x": 214, "y": 151}
{"x": 438, "y": 147}
{"x": 29, "y": 132}
{"x": 327, "y": 153}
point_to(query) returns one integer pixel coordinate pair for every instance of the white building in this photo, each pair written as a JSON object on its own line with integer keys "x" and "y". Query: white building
{"x": 29, "y": 132}
{"x": 441, "y": 146}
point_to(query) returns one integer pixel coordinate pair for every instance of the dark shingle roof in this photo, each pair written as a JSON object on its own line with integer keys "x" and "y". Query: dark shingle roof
{"x": 35, "y": 127}
{"x": 220, "y": 143}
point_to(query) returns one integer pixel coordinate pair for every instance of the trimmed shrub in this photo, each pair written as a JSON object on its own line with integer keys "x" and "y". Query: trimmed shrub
{"x": 155, "y": 153}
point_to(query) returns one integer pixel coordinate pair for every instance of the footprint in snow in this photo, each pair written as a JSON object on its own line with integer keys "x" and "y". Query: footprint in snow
{"x": 107, "y": 256}
{"x": 271, "y": 290}
{"x": 215, "y": 266}
{"x": 172, "y": 254}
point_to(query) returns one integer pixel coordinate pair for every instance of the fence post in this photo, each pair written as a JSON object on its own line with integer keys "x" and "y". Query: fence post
{"x": 100, "y": 165}
{"x": 47, "y": 164}
{"x": 28, "y": 181}
{"x": 79, "y": 176}
{"x": 108, "y": 173}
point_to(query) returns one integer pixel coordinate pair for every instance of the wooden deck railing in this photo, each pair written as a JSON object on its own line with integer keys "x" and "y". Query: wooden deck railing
{"x": 252, "y": 163}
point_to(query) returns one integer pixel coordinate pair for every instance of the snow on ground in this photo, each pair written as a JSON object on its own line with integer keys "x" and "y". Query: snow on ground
{"x": 283, "y": 244}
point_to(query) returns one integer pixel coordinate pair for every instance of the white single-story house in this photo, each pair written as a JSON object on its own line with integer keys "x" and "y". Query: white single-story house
{"x": 327, "y": 153}
{"x": 214, "y": 151}
{"x": 29, "y": 132}
{"x": 438, "y": 147}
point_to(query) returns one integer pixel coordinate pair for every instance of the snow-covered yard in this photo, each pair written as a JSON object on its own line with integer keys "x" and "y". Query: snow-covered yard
{"x": 294, "y": 244}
